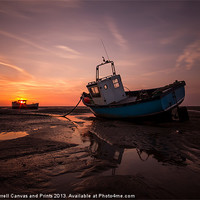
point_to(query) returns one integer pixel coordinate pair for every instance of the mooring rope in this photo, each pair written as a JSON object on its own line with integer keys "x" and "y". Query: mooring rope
{"x": 73, "y": 108}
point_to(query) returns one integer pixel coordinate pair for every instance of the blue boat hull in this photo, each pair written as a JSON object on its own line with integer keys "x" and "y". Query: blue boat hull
{"x": 153, "y": 106}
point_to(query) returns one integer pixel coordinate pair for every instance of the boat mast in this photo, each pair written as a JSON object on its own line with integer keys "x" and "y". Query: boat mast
{"x": 105, "y": 49}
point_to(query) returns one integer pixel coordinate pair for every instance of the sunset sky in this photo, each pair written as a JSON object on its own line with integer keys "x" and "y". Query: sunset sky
{"x": 49, "y": 49}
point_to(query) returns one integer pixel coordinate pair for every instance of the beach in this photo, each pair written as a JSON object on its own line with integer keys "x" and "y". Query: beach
{"x": 43, "y": 153}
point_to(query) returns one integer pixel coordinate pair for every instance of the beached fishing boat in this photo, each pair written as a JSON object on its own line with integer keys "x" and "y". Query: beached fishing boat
{"x": 107, "y": 98}
{"x": 22, "y": 104}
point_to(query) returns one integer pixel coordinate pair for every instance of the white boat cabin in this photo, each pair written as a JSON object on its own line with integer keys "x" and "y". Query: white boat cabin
{"x": 108, "y": 89}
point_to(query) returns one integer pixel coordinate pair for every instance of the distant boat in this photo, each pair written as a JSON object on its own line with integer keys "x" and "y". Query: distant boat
{"x": 21, "y": 104}
{"x": 107, "y": 98}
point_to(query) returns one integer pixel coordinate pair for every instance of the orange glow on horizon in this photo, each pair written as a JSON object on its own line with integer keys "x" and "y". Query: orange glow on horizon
{"x": 21, "y": 99}
{"x": 43, "y": 97}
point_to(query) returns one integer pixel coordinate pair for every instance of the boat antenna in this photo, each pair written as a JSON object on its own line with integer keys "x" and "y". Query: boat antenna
{"x": 105, "y": 49}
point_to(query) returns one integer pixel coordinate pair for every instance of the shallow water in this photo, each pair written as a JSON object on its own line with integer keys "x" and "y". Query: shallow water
{"x": 83, "y": 154}
{"x": 12, "y": 135}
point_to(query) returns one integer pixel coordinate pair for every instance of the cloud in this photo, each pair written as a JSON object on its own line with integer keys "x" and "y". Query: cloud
{"x": 26, "y": 41}
{"x": 9, "y": 11}
{"x": 171, "y": 37}
{"x": 66, "y": 48}
{"x": 190, "y": 55}
{"x": 169, "y": 40}
{"x": 115, "y": 32}
{"x": 22, "y": 40}
{"x": 35, "y": 7}
{"x": 18, "y": 69}
{"x": 158, "y": 72}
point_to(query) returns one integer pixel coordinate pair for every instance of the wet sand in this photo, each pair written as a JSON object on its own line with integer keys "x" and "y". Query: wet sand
{"x": 81, "y": 154}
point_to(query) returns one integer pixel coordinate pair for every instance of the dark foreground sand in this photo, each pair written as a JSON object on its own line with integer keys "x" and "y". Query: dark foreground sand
{"x": 85, "y": 155}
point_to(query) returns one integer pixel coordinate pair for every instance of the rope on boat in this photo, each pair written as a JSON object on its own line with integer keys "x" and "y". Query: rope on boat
{"x": 73, "y": 108}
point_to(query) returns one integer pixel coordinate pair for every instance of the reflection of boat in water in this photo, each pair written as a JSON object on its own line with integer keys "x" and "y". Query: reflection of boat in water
{"x": 103, "y": 150}
{"x": 109, "y": 143}
{"x": 21, "y": 104}
{"x": 107, "y": 98}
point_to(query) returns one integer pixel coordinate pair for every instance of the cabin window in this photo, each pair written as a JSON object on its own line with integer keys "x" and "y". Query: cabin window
{"x": 116, "y": 83}
{"x": 116, "y": 155}
{"x": 95, "y": 91}
{"x": 105, "y": 87}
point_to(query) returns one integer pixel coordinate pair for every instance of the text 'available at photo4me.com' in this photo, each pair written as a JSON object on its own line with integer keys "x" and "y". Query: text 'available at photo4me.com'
{"x": 66, "y": 196}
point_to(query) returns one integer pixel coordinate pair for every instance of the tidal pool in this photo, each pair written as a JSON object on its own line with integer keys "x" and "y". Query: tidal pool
{"x": 12, "y": 135}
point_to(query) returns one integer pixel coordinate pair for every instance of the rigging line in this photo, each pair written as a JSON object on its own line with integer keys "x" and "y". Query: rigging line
{"x": 126, "y": 88}
{"x": 105, "y": 49}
